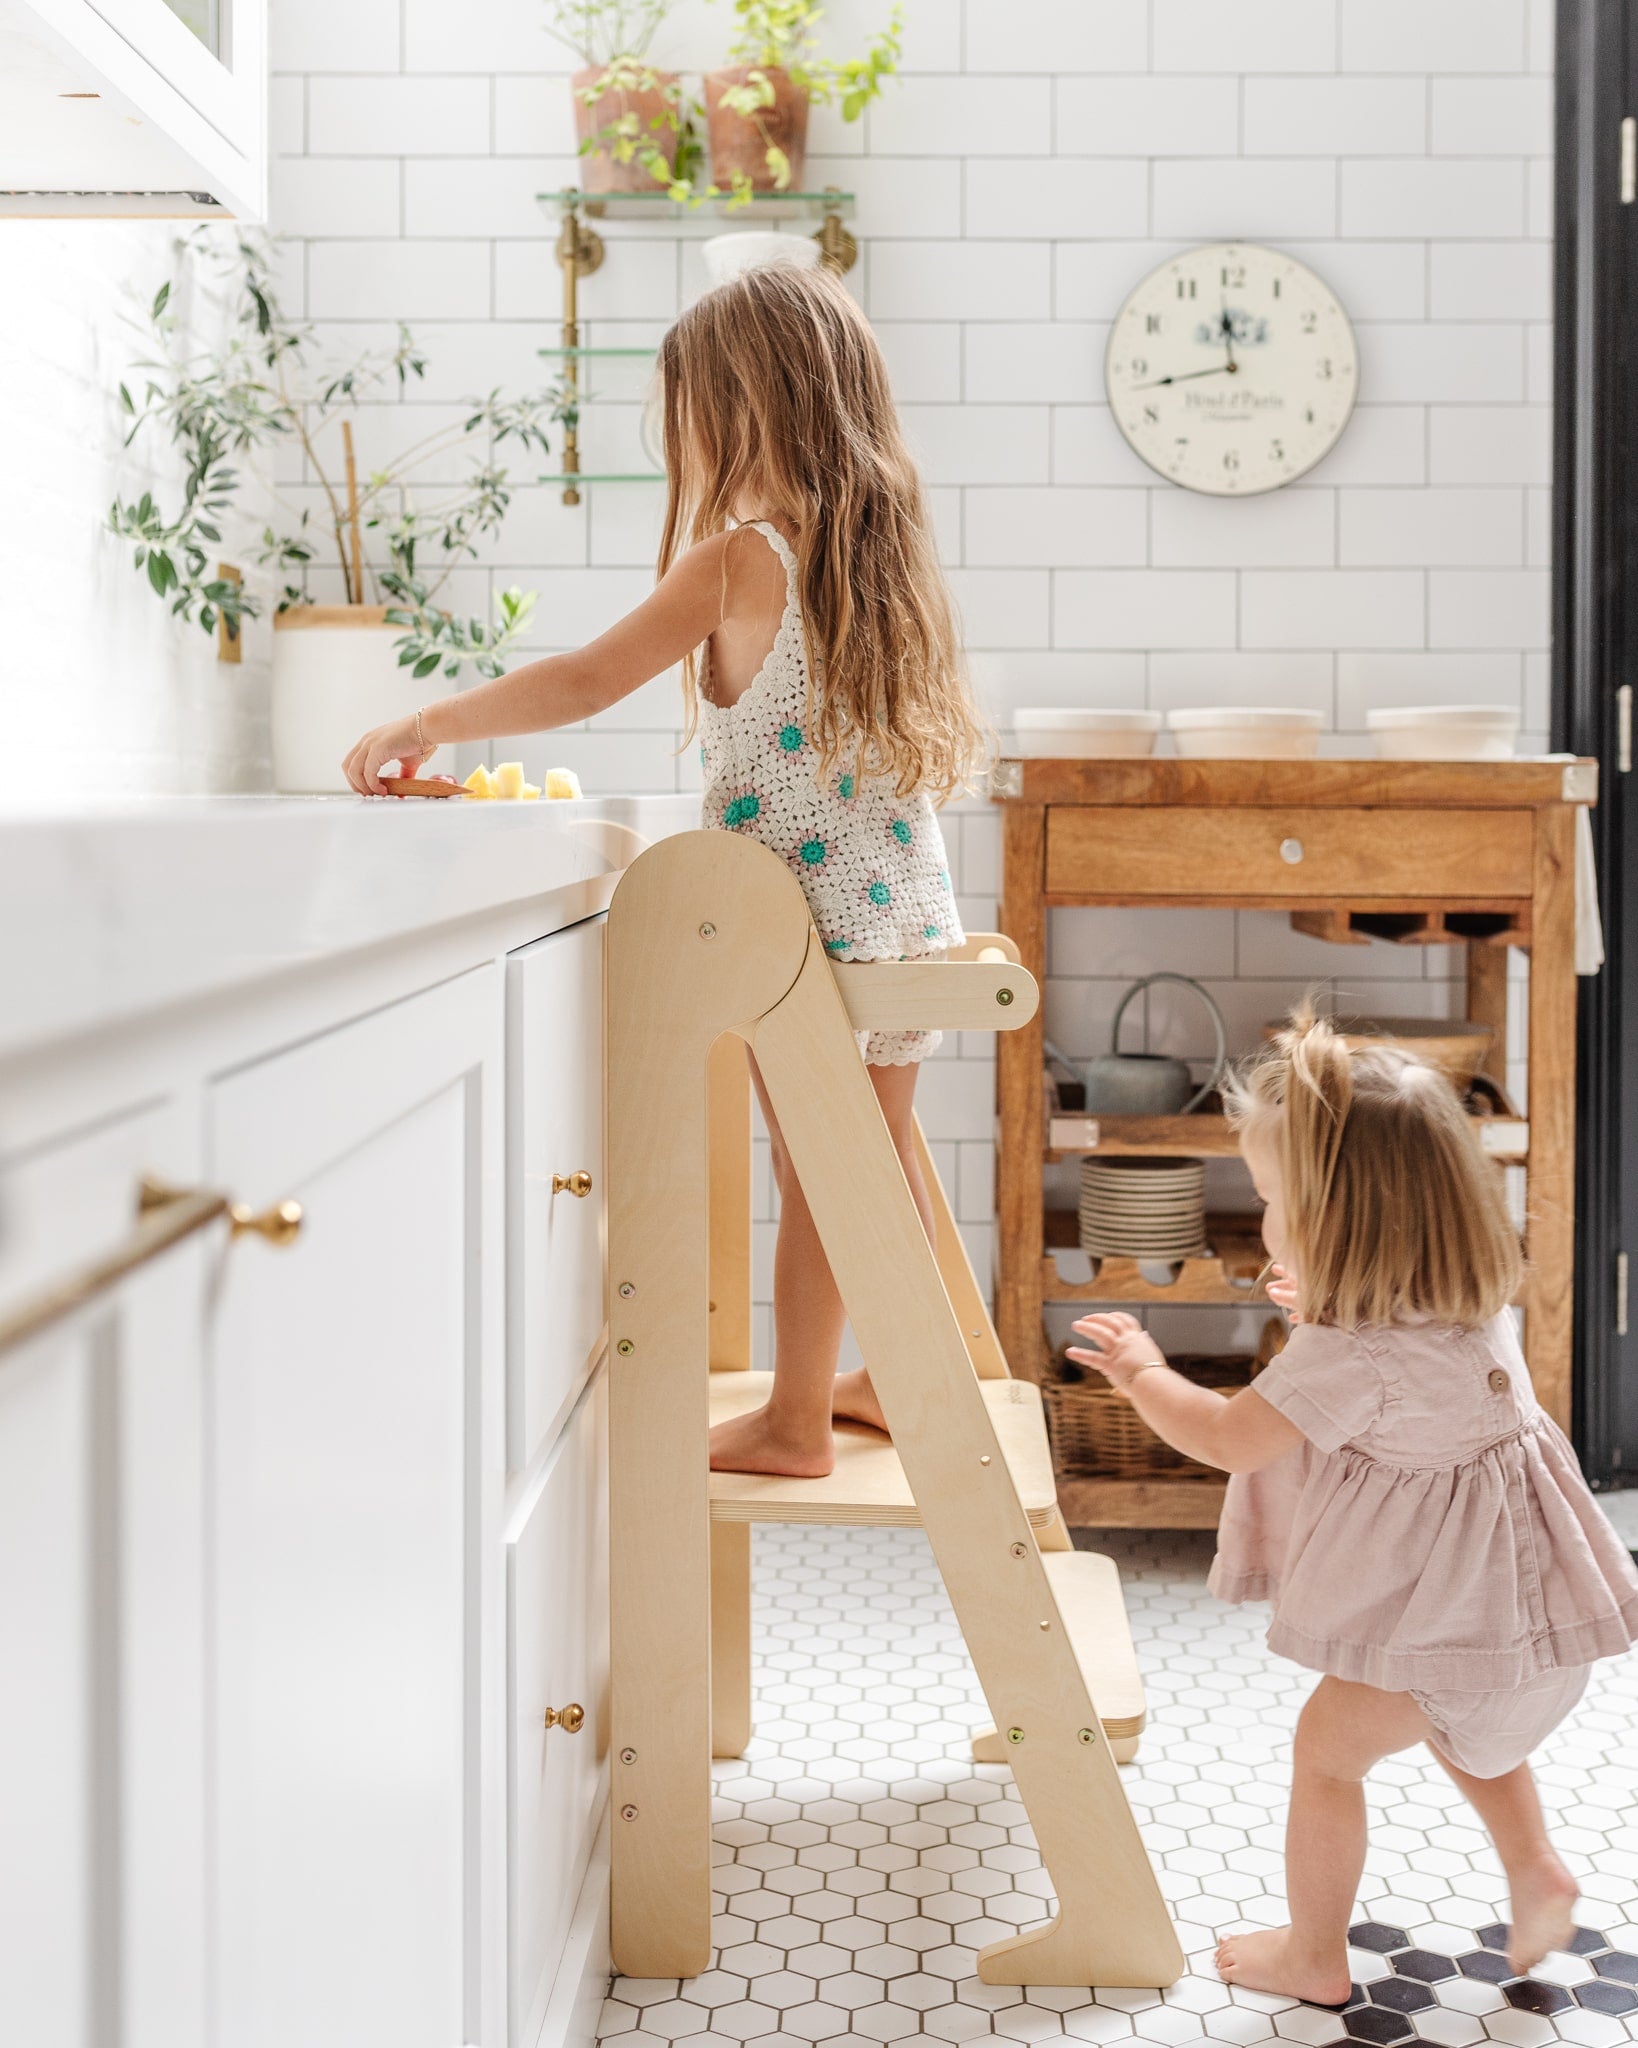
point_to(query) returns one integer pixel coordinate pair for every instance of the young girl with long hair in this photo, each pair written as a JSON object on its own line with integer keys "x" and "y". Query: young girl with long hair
{"x": 799, "y": 589}
{"x": 1420, "y": 1525}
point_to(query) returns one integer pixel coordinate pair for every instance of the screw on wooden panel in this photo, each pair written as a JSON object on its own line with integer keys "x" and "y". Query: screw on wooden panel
{"x": 1003, "y": 996}
{"x": 1015, "y": 1736}
{"x": 625, "y": 1347}
{"x": 1046, "y": 1624}
{"x": 626, "y": 1290}
{"x": 1020, "y": 1550}
{"x": 1085, "y": 1735}
{"x": 985, "y": 1459}
{"x": 628, "y": 1756}
{"x": 628, "y": 1813}
{"x": 708, "y": 931}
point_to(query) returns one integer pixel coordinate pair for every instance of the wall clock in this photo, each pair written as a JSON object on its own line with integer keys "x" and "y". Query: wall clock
{"x": 1232, "y": 369}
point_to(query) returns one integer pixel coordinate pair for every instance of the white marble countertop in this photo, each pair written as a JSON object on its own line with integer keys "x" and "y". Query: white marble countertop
{"x": 112, "y": 907}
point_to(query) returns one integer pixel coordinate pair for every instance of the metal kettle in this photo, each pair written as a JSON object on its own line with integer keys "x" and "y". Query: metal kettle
{"x": 1150, "y": 1083}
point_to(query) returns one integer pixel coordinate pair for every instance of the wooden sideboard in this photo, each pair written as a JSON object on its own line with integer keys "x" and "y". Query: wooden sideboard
{"x": 1476, "y": 853}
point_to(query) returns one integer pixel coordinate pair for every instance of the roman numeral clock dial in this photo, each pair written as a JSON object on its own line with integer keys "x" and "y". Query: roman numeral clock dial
{"x": 1232, "y": 369}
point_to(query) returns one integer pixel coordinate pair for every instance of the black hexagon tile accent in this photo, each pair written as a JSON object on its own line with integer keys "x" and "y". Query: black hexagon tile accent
{"x": 1584, "y": 1942}
{"x": 1402, "y": 1994}
{"x": 1487, "y": 1966}
{"x": 1494, "y": 1936}
{"x": 1600, "y": 1996}
{"x": 1381, "y": 1940}
{"x": 1529, "y": 1996}
{"x": 1617, "y": 1964}
{"x": 1422, "y": 1963}
{"x": 1376, "y": 2023}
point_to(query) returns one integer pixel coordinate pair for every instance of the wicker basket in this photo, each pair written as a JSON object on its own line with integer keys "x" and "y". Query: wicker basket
{"x": 1097, "y": 1433}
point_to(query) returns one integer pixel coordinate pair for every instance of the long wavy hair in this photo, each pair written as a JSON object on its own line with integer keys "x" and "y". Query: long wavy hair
{"x": 775, "y": 395}
{"x": 1392, "y": 1210}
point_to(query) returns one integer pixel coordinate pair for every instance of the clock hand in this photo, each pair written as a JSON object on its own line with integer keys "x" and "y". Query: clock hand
{"x": 1184, "y": 376}
{"x": 1228, "y": 336}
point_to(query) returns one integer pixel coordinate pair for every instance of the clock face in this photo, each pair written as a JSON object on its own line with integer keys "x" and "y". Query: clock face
{"x": 1232, "y": 369}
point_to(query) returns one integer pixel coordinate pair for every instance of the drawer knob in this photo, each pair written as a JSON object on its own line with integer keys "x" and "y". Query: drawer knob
{"x": 280, "y": 1225}
{"x": 571, "y": 1719}
{"x": 572, "y": 1184}
{"x": 1291, "y": 851}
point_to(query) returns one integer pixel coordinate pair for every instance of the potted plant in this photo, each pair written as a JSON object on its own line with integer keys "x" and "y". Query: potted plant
{"x": 757, "y": 104}
{"x": 629, "y": 116}
{"x": 337, "y": 668}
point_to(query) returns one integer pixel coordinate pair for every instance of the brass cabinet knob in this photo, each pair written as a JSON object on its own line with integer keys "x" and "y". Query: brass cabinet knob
{"x": 572, "y": 1184}
{"x": 280, "y": 1225}
{"x": 571, "y": 1719}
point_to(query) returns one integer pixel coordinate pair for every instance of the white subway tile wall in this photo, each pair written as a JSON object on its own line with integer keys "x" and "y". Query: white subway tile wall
{"x": 1034, "y": 159}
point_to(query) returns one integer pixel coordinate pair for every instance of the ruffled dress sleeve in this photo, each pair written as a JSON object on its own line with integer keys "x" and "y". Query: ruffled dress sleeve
{"x": 1328, "y": 1384}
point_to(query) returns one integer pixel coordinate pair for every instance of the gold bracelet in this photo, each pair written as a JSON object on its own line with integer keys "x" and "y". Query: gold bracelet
{"x": 420, "y": 736}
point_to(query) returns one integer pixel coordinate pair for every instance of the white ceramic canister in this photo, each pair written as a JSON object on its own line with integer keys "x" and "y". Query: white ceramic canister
{"x": 1236, "y": 734}
{"x": 1444, "y": 732}
{"x": 335, "y": 675}
{"x": 1056, "y": 733}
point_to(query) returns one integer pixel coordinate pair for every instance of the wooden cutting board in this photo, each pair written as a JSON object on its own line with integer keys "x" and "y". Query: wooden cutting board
{"x": 416, "y": 785}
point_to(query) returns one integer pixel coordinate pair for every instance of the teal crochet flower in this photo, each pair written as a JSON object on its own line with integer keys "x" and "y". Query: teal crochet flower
{"x": 880, "y": 894}
{"x": 846, "y": 788}
{"x": 837, "y": 945}
{"x": 900, "y": 829}
{"x": 930, "y": 931}
{"x": 740, "y": 810}
{"x": 790, "y": 739}
{"x": 813, "y": 852}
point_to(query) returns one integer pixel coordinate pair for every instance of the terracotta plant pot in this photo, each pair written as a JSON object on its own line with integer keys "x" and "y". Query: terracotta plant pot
{"x": 740, "y": 142}
{"x": 602, "y": 172}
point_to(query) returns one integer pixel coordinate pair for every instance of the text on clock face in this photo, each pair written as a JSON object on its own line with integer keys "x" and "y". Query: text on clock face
{"x": 1231, "y": 370}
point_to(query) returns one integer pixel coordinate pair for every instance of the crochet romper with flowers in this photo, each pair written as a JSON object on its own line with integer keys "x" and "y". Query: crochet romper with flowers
{"x": 871, "y": 863}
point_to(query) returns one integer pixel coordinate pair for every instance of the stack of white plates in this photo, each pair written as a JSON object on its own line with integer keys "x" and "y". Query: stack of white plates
{"x": 1231, "y": 734}
{"x": 1445, "y": 732}
{"x": 1143, "y": 1208}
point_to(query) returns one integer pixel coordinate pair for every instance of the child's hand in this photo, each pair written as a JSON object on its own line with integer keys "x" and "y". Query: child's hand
{"x": 1125, "y": 1348}
{"x": 1281, "y": 1288}
{"x": 394, "y": 742}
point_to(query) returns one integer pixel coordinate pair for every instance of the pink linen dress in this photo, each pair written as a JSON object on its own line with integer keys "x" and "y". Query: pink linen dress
{"x": 1433, "y": 1535}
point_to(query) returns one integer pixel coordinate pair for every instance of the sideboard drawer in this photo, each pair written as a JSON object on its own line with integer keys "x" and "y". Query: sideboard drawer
{"x": 1194, "y": 853}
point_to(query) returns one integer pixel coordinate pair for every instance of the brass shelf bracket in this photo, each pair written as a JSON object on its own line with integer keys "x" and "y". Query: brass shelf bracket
{"x": 579, "y": 252}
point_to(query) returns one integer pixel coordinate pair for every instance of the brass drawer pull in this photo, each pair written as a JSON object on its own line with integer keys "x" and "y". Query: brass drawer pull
{"x": 571, "y": 1719}
{"x": 572, "y": 1184}
{"x": 165, "y": 1216}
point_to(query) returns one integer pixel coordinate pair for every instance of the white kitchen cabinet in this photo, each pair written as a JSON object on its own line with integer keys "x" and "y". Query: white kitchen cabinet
{"x": 349, "y": 1448}
{"x": 556, "y": 1201}
{"x": 133, "y": 107}
{"x": 102, "y": 1581}
{"x": 558, "y": 1657}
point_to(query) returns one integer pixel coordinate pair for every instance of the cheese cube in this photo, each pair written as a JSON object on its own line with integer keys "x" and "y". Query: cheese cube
{"x": 509, "y": 778}
{"x": 562, "y": 782}
{"x": 480, "y": 783}
{"x": 531, "y": 790}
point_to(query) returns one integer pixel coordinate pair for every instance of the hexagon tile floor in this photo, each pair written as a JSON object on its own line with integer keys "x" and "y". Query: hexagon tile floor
{"x": 863, "y": 1859}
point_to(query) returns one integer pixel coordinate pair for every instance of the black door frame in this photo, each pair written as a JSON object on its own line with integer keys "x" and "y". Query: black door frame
{"x": 1595, "y": 617}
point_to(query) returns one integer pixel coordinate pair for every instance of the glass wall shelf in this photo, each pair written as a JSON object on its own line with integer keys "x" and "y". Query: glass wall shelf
{"x": 611, "y": 476}
{"x": 656, "y": 206}
{"x": 646, "y": 355}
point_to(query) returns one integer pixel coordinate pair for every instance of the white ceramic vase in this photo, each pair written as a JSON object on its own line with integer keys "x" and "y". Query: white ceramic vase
{"x": 335, "y": 675}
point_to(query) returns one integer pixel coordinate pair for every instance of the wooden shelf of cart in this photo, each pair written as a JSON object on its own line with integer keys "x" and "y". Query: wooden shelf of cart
{"x": 1477, "y": 853}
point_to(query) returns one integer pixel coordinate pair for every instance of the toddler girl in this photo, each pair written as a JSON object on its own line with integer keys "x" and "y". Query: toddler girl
{"x": 800, "y": 590}
{"x": 1420, "y": 1525}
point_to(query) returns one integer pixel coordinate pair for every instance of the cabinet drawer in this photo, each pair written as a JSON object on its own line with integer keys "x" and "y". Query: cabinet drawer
{"x": 557, "y": 1628}
{"x": 1197, "y": 853}
{"x": 555, "y": 1237}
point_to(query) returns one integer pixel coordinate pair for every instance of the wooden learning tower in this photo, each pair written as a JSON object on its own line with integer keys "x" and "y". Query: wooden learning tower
{"x": 711, "y": 950}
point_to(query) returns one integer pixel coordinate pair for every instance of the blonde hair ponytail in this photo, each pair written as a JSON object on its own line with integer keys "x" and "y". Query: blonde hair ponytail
{"x": 1392, "y": 1209}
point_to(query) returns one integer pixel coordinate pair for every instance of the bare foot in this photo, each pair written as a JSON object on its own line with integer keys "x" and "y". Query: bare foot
{"x": 755, "y": 1443}
{"x": 1269, "y": 1960}
{"x": 1542, "y": 1899}
{"x": 854, "y": 1400}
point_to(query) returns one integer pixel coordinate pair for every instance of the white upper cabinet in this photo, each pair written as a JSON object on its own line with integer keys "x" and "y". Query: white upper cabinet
{"x": 150, "y": 108}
